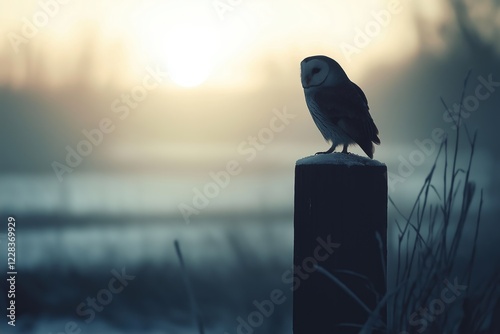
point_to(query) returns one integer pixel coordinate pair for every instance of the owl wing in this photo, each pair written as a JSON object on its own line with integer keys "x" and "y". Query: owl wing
{"x": 346, "y": 106}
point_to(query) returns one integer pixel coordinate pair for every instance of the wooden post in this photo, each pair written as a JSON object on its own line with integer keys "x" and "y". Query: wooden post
{"x": 340, "y": 205}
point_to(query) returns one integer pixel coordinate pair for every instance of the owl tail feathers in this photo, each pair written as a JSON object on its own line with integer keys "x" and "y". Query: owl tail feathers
{"x": 368, "y": 148}
{"x": 370, "y": 129}
{"x": 364, "y": 133}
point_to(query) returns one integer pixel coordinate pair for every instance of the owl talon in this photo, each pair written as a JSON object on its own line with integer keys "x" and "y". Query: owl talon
{"x": 330, "y": 150}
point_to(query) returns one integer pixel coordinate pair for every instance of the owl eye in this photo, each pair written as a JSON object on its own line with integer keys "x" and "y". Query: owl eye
{"x": 316, "y": 70}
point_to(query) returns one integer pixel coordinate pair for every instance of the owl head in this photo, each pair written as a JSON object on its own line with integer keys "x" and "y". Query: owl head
{"x": 321, "y": 71}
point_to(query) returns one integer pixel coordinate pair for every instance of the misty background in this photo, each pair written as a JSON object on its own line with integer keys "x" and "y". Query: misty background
{"x": 218, "y": 74}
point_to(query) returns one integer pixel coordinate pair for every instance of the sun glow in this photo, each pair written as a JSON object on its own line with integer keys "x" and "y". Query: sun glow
{"x": 190, "y": 54}
{"x": 182, "y": 39}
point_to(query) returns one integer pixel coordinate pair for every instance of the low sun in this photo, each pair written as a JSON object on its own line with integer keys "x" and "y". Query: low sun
{"x": 189, "y": 53}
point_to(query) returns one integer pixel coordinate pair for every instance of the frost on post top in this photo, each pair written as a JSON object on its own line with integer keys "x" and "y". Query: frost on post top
{"x": 338, "y": 159}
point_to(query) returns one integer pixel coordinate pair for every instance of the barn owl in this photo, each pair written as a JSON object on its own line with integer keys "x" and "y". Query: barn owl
{"x": 337, "y": 105}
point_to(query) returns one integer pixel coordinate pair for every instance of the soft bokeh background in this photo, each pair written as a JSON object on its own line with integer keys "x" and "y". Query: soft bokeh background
{"x": 227, "y": 68}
